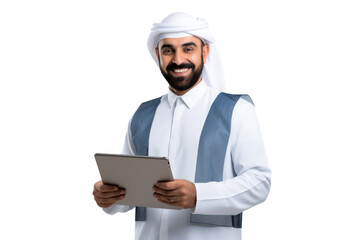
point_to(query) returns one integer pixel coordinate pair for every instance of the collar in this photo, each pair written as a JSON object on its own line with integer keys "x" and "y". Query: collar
{"x": 191, "y": 97}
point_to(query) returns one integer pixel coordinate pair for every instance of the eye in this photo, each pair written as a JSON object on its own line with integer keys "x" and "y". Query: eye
{"x": 188, "y": 49}
{"x": 167, "y": 51}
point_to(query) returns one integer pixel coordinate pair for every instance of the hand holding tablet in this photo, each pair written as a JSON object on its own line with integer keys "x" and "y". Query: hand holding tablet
{"x": 137, "y": 175}
{"x": 106, "y": 195}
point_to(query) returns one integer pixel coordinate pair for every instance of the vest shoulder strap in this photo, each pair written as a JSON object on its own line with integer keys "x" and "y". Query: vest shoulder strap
{"x": 214, "y": 138}
{"x": 141, "y": 124}
{"x": 212, "y": 150}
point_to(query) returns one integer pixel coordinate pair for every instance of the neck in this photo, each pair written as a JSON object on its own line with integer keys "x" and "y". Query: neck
{"x": 180, "y": 93}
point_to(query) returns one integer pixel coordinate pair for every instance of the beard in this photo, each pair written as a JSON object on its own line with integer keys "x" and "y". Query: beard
{"x": 183, "y": 83}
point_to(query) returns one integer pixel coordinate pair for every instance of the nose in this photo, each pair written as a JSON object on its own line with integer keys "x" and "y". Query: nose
{"x": 178, "y": 58}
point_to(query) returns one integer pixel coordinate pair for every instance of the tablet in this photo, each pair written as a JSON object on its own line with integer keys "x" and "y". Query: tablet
{"x": 137, "y": 174}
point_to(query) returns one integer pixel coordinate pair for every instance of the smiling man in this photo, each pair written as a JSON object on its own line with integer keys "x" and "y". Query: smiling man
{"x": 178, "y": 58}
{"x": 211, "y": 138}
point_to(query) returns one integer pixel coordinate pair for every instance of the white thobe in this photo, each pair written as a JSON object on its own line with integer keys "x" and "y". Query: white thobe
{"x": 175, "y": 134}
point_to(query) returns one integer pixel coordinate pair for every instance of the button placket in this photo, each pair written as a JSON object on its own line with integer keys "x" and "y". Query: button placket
{"x": 175, "y": 128}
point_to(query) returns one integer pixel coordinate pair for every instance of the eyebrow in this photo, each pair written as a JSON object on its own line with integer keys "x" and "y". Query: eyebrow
{"x": 183, "y": 45}
{"x": 189, "y": 44}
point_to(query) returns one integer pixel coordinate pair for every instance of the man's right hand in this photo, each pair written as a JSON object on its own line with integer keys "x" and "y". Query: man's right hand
{"x": 106, "y": 195}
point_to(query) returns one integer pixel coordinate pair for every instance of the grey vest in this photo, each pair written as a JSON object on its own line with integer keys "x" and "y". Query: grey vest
{"x": 211, "y": 153}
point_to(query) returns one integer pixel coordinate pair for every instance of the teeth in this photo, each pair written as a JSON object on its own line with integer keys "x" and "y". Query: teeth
{"x": 181, "y": 70}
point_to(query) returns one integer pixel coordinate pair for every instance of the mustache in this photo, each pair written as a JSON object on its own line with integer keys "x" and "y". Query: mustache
{"x": 173, "y": 66}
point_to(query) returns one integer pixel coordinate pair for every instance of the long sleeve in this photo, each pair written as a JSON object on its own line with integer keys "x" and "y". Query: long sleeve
{"x": 128, "y": 149}
{"x": 246, "y": 173}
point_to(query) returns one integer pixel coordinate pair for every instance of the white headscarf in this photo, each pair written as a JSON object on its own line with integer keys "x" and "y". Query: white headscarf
{"x": 180, "y": 24}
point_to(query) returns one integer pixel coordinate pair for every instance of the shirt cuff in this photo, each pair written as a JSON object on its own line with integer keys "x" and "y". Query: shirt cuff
{"x": 201, "y": 196}
{"x": 117, "y": 208}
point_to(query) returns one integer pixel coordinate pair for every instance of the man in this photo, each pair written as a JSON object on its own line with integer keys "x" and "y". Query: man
{"x": 212, "y": 140}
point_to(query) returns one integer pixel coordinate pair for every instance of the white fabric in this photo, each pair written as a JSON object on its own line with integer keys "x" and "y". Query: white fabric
{"x": 175, "y": 134}
{"x": 180, "y": 24}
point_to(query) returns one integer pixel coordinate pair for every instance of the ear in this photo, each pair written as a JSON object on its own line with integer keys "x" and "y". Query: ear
{"x": 157, "y": 52}
{"x": 205, "y": 52}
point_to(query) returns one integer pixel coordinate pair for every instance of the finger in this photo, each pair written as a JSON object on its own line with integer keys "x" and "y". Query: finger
{"x": 104, "y": 203}
{"x": 108, "y": 194}
{"x": 101, "y": 187}
{"x": 173, "y": 204}
{"x": 165, "y": 199}
{"x": 170, "y": 185}
{"x": 161, "y": 191}
{"x": 109, "y": 200}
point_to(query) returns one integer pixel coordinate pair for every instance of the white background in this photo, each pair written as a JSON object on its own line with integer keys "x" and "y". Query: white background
{"x": 73, "y": 72}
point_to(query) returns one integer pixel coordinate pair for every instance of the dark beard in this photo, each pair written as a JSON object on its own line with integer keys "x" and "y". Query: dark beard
{"x": 181, "y": 83}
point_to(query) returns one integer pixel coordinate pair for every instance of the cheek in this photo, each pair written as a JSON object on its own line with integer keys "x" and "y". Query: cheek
{"x": 163, "y": 62}
{"x": 196, "y": 60}
{"x": 163, "y": 66}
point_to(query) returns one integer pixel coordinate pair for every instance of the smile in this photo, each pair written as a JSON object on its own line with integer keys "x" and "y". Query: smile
{"x": 181, "y": 70}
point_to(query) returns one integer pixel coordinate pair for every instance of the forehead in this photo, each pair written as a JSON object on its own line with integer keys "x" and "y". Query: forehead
{"x": 179, "y": 41}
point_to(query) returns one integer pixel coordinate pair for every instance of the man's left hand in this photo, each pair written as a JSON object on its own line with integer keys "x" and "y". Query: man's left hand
{"x": 180, "y": 193}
